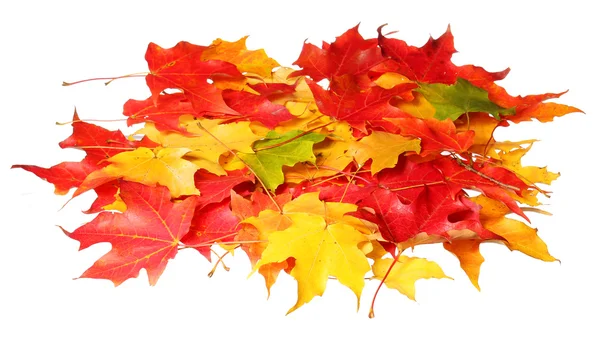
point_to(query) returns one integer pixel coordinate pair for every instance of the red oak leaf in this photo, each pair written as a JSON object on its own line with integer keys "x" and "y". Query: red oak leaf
{"x": 214, "y": 189}
{"x": 459, "y": 177}
{"x": 436, "y": 136}
{"x": 181, "y": 67}
{"x": 434, "y": 212}
{"x": 256, "y": 108}
{"x": 345, "y": 101}
{"x": 212, "y": 223}
{"x": 349, "y": 54}
{"x": 164, "y": 111}
{"x": 145, "y": 236}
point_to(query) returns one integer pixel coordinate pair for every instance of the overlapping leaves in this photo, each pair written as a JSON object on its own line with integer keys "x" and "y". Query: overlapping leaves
{"x": 317, "y": 182}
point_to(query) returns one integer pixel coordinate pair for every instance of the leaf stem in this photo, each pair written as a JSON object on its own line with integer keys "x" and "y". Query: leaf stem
{"x": 88, "y": 120}
{"x": 372, "y": 310}
{"x": 110, "y": 79}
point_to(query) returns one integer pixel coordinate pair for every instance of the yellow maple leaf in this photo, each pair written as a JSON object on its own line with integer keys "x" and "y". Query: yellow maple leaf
{"x": 405, "y": 272}
{"x": 383, "y": 148}
{"x": 163, "y": 166}
{"x": 322, "y": 242}
{"x": 517, "y": 235}
{"x": 253, "y": 61}
{"x": 203, "y": 149}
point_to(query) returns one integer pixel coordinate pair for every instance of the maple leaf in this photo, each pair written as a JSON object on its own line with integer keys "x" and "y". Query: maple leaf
{"x": 207, "y": 140}
{"x": 164, "y": 111}
{"x": 436, "y": 136}
{"x": 145, "y": 236}
{"x": 405, "y": 272}
{"x": 383, "y": 148}
{"x": 494, "y": 182}
{"x": 510, "y": 155}
{"x": 272, "y": 153}
{"x": 162, "y": 166}
{"x": 322, "y": 226}
{"x": 108, "y": 198}
{"x": 435, "y": 212}
{"x": 256, "y": 108}
{"x": 182, "y": 67}
{"x": 98, "y": 143}
{"x": 245, "y": 208}
{"x": 210, "y": 224}
{"x": 516, "y": 234}
{"x": 214, "y": 189}
{"x": 345, "y": 101}
{"x": 65, "y": 175}
{"x": 350, "y": 54}
{"x": 451, "y": 101}
{"x": 408, "y": 179}
{"x": 467, "y": 252}
{"x": 253, "y": 61}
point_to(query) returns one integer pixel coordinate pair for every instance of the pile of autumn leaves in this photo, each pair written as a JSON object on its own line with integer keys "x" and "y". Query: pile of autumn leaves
{"x": 327, "y": 171}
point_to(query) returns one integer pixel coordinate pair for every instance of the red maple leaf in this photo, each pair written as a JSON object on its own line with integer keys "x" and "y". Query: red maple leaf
{"x": 105, "y": 196}
{"x": 164, "y": 111}
{"x": 98, "y": 143}
{"x": 349, "y": 54}
{"x": 345, "y": 101}
{"x": 459, "y": 177}
{"x": 65, "y": 175}
{"x": 214, "y": 189}
{"x": 212, "y": 223}
{"x": 256, "y": 108}
{"x": 408, "y": 179}
{"x": 434, "y": 212}
{"x": 432, "y": 63}
{"x": 181, "y": 67}
{"x": 145, "y": 236}
{"x": 436, "y": 136}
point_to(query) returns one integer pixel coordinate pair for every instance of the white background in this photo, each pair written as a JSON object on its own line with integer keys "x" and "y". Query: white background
{"x": 550, "y": 47}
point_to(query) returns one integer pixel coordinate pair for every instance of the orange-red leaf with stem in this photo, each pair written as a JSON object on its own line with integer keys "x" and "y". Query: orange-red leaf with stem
{"x": 145, "y": 236}
{"x": 181, "y": 67}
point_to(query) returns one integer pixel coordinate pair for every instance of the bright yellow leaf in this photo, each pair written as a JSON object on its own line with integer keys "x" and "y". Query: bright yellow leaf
{"x": 320, "y": 250}
{"x": 162, "y": 166}
{"x": 204, "y": 149}
{"x": 383, "y": 148}
{"x": 406, "y": 271}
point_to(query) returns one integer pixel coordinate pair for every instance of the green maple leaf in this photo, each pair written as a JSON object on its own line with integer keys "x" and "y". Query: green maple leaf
{"x": 270, "y": 157}
{"x": 451, "y": 101}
